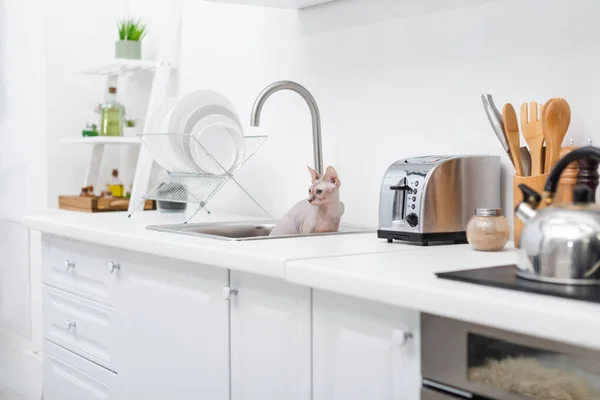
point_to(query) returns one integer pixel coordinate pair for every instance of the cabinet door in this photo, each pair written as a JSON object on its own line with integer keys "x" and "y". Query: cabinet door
{"x": 270, "y": 339}
{"x": 360, "y": 350}
{"x": 176, "y": 330}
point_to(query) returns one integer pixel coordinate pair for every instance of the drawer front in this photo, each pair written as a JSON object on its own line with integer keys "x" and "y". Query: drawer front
{"x": 81, "y": 268}
{"x": 70, "y": 377}
{"x": 81, "y": 326}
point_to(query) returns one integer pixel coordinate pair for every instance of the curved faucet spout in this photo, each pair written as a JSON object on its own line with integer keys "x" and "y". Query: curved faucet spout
{"x": 312, "y": 106}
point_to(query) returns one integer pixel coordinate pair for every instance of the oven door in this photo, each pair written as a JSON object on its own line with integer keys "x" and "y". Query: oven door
{"x": 503, "y": 365}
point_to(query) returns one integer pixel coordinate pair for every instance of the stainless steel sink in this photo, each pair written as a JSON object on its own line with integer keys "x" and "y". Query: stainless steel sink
{"x": 241, "y": 231}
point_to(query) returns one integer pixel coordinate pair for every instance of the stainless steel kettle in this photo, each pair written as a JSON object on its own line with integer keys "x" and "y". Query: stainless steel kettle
{"x": 560, "y": 243}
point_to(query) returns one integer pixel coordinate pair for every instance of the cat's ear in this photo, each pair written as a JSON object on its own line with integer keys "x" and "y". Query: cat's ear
{"x": 314, "y": 174}
{"x": 331, "y": 175}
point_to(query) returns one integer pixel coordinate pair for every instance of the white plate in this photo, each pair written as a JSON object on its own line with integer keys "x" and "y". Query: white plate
{"x": 204, "y": 111}
{"x": 189, "y": 103}
{"x": 158, "y": 144}
{"x": 221, "y": 137}
{"x": 186, "y": 113}
{"x": 177, "y": 146}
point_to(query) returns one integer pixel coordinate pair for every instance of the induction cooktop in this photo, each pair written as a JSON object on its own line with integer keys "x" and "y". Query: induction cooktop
{"x": 505, "y": 277}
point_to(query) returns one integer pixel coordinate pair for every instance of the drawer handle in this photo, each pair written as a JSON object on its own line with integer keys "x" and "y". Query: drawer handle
{"x": 69, "y": 265}
{"x": 228, "y": 292}
{"x": 113, "y": 266}
{"x": 70, "y": 324}
{"x": 400, "y": 337}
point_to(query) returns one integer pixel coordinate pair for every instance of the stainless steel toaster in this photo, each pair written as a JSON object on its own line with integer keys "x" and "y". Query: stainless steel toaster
{"x": 431, "y": 198}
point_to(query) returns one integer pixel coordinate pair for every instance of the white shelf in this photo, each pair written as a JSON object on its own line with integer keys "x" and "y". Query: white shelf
{"x": 121, "y": 67}
{"x": 102, "y": 140}
{"x": 290, "y": 4}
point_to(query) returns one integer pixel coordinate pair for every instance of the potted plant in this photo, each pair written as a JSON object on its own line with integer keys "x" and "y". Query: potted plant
{"x": 131, "y": 33}
{"x": 130, "y": 128}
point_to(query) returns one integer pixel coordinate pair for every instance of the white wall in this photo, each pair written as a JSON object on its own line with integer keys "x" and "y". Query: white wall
{"x": 22, "y": 188}
{"x": 392, "y": 79}
{"x": 85, "y": 41}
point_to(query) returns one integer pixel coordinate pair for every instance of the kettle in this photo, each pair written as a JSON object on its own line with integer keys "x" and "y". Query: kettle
{"x": 560, "y": 243}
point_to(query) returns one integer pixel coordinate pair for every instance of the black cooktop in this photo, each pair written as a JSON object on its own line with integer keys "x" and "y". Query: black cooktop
{"x": 505, "y": 277}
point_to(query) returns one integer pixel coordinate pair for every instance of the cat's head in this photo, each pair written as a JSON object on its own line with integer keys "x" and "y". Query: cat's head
{"x": 324, "y": 188}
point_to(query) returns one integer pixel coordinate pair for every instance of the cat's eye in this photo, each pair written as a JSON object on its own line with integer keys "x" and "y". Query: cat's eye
{"x": 319, "y": 191}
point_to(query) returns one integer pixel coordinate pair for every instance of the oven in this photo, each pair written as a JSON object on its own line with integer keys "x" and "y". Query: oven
{"x": 464, "y": 360}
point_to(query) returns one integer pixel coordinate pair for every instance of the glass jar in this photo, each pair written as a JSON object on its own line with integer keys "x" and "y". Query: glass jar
{"x": 488, "y": 230}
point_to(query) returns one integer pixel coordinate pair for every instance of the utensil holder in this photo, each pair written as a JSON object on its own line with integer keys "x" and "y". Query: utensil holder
{"x": 536, "y": 183}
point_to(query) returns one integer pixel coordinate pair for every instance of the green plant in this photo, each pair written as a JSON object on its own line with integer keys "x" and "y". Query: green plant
{"x": 130, "y": 122}
{"x": 131, "y": 29}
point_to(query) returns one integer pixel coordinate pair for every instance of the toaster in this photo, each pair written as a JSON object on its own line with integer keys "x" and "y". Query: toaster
{"x": 432, "y": 198}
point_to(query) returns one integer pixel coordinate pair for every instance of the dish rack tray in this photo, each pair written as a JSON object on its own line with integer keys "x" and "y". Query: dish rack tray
{"x": 196, "y": 186}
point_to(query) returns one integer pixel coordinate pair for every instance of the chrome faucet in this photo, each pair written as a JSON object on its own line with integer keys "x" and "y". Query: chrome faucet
{"x": 312, "y": 105}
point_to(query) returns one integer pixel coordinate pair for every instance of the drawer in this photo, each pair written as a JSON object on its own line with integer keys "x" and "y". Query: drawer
{"x": 70, "y": 377}
{"x": 81, "y": 326}
{"x": 81, "y": 268}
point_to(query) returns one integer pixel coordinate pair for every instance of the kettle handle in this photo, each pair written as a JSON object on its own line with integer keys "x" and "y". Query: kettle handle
{"x": 552, "y": 181}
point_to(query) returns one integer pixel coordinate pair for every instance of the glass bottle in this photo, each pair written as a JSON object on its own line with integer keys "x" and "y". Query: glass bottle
{"x": 112, "y": 115}
{"x": 116, "y": 186}
{"x": 488, "y": 230}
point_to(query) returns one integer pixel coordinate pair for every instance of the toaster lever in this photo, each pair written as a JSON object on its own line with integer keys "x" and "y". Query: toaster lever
{"x": 400, "y": 187}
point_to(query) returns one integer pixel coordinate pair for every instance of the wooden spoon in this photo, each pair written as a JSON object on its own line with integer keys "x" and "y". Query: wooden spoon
{"x": 556, "y": 118}
{"x": 531, "y": 126}
{"x": 511, "y": 128}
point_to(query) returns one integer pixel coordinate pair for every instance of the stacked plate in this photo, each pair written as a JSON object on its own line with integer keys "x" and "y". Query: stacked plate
{"x": 204, "y": 134}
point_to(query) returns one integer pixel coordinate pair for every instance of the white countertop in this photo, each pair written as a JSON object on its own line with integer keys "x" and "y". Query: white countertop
{"x": 264, "y": 257}
{"x": 358, "y": 265}
{"x": 407, "y": 279}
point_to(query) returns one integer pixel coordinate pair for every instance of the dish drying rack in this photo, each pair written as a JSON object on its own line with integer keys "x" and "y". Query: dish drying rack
{"x": 195, "y": 187}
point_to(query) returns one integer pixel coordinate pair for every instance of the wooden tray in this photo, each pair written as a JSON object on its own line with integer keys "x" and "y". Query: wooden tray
{"x": 98, "y": 204}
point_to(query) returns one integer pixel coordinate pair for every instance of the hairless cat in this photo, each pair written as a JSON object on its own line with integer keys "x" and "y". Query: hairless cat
{"x": 321, "y": 212}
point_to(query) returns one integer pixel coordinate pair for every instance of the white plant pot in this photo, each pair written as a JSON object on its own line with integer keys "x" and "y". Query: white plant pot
{"x": 130, "y": 131}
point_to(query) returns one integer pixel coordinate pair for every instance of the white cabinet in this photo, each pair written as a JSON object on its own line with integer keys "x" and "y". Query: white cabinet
{"x": 175, "y": 330}
{"x": 361, "y": 350}
{"x": 165, "y": 328}
{"x": 270, "y": 339}
{"x": 81, "y": 268}
{"x": 82, "y": 326}
{"x": 70, "y": 377}
{"x": 14, "y": 278}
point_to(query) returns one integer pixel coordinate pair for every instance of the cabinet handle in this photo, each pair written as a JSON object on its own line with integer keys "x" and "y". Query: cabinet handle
{"x": 113, "y": 266}
{"x": 400, "y": 337}
{"x": 70, "y": 324}
{"x": 228, "y": 292}
{"x": 69, "y": 265}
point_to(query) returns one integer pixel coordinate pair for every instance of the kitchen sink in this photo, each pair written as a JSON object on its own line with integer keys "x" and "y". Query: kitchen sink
{"x": 242, "y": 231}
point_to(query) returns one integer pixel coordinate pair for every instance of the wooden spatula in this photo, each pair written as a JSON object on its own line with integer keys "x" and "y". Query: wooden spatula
{"x": 531, "y": 126}
{"x": 511, "y": 128}
{"x": 556, "y": 118}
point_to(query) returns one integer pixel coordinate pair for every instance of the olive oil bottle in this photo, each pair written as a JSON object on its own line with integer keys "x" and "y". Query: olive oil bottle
{"x": 116, "y": 185}
{"x": 112, "y": 115}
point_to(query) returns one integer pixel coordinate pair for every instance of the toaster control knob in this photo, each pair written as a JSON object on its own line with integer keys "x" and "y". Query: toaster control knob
{"x": 412, "y": 219}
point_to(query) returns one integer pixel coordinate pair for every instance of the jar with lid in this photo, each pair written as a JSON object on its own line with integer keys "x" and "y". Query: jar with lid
{"x": 488, "y": 230}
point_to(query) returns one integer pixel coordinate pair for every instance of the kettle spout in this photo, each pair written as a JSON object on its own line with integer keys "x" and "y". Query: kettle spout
{"x": 531, "y": 199}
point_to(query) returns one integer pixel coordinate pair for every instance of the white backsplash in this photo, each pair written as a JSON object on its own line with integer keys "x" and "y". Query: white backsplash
{"x": 392, "y": 79}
